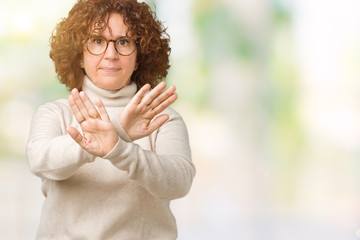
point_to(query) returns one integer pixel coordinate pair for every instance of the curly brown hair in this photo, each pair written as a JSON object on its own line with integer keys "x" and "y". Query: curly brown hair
{"x": 87, "y": 16}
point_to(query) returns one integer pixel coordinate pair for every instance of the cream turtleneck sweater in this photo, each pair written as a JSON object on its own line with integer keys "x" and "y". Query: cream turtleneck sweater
{"x": 124, "y": 195}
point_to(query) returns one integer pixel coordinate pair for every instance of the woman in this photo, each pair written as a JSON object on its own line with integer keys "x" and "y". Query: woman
{"x": 109, "y": 170}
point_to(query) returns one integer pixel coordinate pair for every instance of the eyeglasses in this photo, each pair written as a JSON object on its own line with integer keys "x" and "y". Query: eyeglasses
{"x": 98, "y": 45}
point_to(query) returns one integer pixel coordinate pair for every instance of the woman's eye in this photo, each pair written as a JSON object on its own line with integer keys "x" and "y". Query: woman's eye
{"x": 123, "y": 42}
{"x": 98, "y": 41}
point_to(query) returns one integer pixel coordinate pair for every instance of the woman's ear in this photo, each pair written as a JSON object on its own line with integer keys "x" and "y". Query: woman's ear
{"x": 81, "y": 63}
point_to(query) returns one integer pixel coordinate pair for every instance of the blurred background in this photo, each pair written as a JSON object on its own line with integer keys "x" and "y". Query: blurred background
{"x": 270, "y": 93}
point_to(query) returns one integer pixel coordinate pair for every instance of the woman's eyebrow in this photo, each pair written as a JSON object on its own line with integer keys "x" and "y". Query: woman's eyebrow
{"x": 102, "y": 36}
{"x": 122, "y": 36}
{"x": 115, "y": 38}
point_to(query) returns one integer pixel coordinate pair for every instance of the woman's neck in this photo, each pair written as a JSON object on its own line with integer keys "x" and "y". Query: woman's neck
{"x": 117, "y": 98}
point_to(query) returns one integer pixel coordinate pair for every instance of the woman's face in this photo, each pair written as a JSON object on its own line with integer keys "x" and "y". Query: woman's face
{"x": 110, "y": 70}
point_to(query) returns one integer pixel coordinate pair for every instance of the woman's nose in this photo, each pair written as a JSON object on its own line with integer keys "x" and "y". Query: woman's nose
{"x": 110, "y": 52}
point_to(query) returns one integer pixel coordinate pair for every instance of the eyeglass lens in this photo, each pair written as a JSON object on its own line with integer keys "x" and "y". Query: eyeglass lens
{"x": 98, "y": 45}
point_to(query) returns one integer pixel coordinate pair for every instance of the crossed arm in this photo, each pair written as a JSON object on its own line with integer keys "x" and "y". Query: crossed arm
{"x": 167, "y": 174}
{"x": 138, "y": 119}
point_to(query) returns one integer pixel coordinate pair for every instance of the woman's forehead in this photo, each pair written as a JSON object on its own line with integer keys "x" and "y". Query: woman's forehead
{"x": 113, "y": 27}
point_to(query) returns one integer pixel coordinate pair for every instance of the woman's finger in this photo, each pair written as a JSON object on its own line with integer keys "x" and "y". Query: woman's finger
{"x": 80, "y": 104}
{"x": 140, "y": 94}
{"x": 149, "y": 98}
{"x": 163, "y": 96}
{"x": 164, "y": 104}
{"x": 93, "y": 113}
{"x": 75, "y": 134}
{"x": 78, "y": 116}
{"x": 158, "y": 122}
{"x": 103, "y": 113}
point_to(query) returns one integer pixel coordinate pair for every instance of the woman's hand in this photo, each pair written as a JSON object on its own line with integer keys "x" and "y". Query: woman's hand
{"x": 99, "y": 135}
{"x": 137, "y": 118}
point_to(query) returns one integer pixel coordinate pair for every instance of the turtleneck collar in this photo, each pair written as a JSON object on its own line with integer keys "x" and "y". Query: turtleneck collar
{"x": 116, "y": 98}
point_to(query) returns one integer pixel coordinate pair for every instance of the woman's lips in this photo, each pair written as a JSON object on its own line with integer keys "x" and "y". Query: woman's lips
{"x": 110, "y": 69}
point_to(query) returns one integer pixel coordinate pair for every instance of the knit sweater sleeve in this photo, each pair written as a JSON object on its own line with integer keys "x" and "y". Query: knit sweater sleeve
{"x": 52, "y": 153}
{"x": 167, "y": 171}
